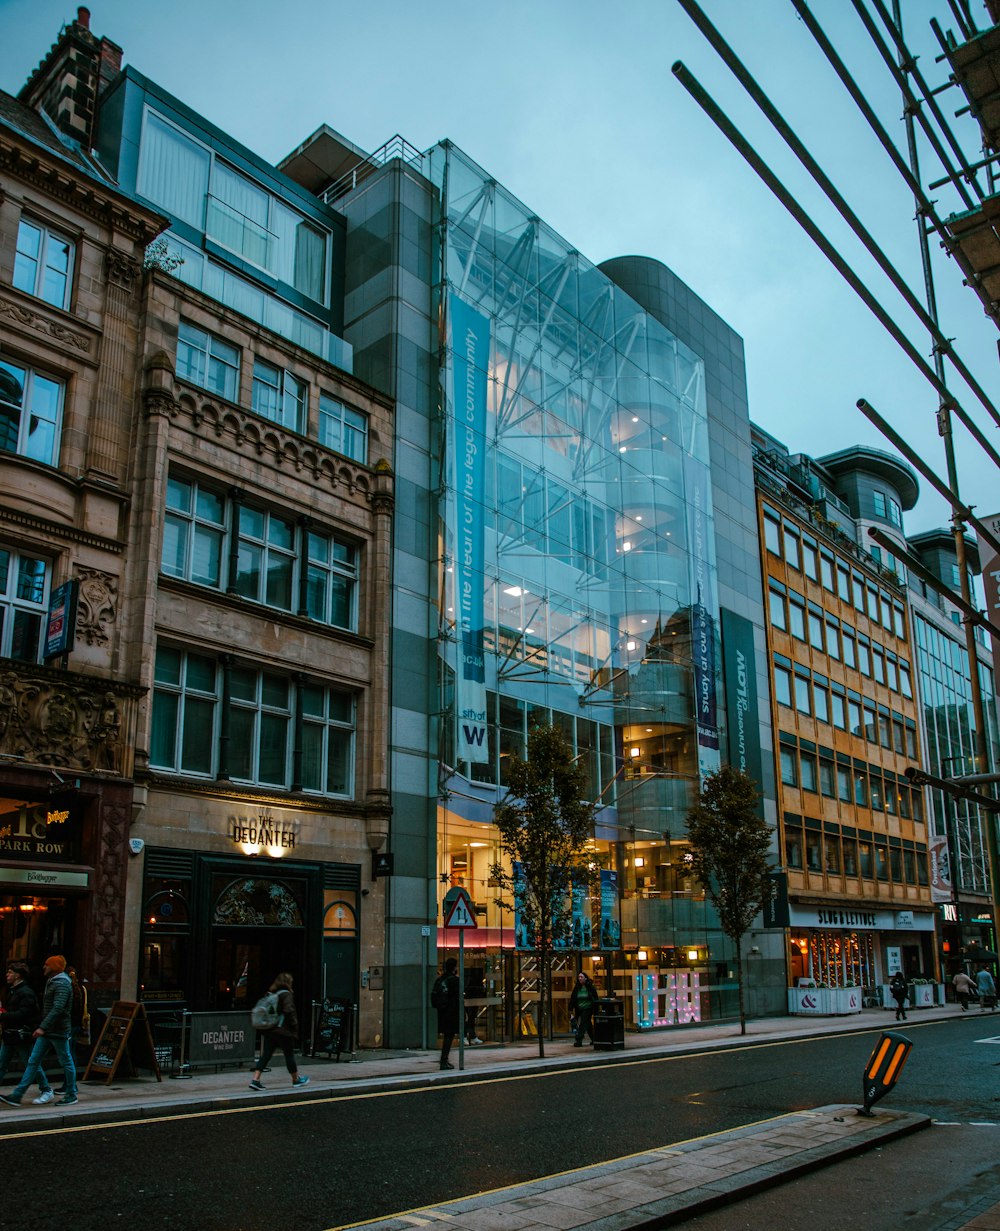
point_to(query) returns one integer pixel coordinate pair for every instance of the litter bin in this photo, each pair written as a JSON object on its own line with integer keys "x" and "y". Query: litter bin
{"x": 609, "y": 1024}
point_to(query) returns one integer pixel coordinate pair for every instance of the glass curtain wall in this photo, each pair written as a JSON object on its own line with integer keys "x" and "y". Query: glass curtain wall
{"x": 577, "y": 584}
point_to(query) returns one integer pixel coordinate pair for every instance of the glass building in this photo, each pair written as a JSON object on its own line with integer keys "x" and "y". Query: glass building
{"x": 554, "y": 562}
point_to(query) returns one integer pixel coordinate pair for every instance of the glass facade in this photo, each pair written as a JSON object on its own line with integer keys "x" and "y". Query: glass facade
{"x": 576, "y": 574}
{"x": 946, "y": 694}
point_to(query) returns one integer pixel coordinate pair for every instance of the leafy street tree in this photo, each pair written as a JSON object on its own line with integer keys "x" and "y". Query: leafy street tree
{"x": 729, "y": 856}
{"x": 545, "y": 826}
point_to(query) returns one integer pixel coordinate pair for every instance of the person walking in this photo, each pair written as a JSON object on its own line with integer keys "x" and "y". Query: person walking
{"x": 582, "y": 1004}
{"x": 964, "y": 988}
{"x": 897, "y": 989}
{"x": 54, "y": 1030}
{"x": 285, "y": 1035}
{"x": 987, "y": 990}
{"x": 446, "y": 1001}
{"x": 19, "y": 1018}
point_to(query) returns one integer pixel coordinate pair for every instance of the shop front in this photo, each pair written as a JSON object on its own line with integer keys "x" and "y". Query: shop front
{"x": 840, "y": 958}
{"x": 62, "y": 842}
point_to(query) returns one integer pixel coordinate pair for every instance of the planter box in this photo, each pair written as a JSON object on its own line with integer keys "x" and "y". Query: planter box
{"x": 824, "y": 1001}
{"x": 918, "y": 995}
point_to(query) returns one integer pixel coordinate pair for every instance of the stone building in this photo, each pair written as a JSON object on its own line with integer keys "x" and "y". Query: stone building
{"x": 242, "y": 494}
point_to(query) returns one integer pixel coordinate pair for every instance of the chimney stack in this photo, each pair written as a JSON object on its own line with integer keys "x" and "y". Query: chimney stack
{"x": 70, "y": 80}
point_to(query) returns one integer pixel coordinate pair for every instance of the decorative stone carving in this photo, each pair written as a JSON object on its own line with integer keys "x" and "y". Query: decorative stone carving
{"x": 96, "y": 606}
{"x": 63, "y": 721}
{"x": 54, "y": 329}
{"x": 122, "y": 270}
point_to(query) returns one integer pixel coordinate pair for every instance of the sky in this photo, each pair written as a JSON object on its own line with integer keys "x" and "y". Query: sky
{"x": 571, "y": 104}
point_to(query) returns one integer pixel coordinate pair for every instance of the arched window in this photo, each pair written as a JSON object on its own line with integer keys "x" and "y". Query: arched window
{"x": 257, "y": 903}
{"x": 339, "y": 919}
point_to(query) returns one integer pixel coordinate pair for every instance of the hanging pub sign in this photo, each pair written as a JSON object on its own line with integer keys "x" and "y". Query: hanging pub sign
{"x": 60, "y": 626}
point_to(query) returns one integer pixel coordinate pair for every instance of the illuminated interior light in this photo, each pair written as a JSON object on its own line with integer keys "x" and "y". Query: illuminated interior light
{"x": 477, "y": 844}
{"x": 635, "y": 418}
{"x": 627, "y": 545}
{"x": 629, "y": 645}
{"x": 692, "y": 955}
{"x": 513, "y": 591}
{"x": 639, "y": 517}
{"x": 642, "y": 955}
{"x": 640, "y": 862}
{"x": 529, "y": 630}
{"x": 643, "y": 621}
{"x": 623, "y": 449}
{"x": 633, "y": 752}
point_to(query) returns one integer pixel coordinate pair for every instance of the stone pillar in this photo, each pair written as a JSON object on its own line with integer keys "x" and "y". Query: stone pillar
{"x": 107, "y": 446}
{"x": 378, "y": 808}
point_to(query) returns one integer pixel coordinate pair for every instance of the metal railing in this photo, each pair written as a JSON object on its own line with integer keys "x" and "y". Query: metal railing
{"x": 395, "y": 147}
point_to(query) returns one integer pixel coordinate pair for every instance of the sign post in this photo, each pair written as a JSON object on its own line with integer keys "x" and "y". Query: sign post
{"x": 460, "y": 913}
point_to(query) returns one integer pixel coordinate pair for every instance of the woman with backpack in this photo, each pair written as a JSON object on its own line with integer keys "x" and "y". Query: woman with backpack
{"x": 284, "y": 1035}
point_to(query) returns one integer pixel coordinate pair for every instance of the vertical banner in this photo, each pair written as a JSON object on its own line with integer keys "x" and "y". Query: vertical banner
{"x": 740, "y": 674}
{"x": 469, "y": 339}
{"x": 703, "y": 604}
{"x": 942, "y": 889}
{"x": 524, "y": 935}
{"x": 583, "y": 928}
{"x": 990, "y": 563}
{"x": 611, "y": 928}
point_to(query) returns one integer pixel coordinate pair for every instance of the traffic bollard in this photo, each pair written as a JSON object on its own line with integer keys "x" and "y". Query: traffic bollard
{"x": 884, "y": 1067}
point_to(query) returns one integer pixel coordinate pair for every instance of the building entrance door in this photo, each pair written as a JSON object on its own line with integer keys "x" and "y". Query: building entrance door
{"x": 246, "y": 960}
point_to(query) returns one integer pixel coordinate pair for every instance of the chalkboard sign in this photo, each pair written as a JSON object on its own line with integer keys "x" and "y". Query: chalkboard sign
{"x": 334, "y": 1027}
{"x": 125, "y": 1038}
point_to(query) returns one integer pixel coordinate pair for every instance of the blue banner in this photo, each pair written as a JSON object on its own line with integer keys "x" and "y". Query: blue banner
{"x": 469, "y": 335}
{"x": 611, "y": 928}
{"x": 742, "y": 716}
{"x": 703, "y": 607}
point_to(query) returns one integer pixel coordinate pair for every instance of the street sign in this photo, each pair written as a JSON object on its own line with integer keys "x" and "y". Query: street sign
{"x": 460, "y": 913}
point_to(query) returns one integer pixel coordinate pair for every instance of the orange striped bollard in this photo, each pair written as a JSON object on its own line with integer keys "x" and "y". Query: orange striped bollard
{"x": 884, "y": 1067}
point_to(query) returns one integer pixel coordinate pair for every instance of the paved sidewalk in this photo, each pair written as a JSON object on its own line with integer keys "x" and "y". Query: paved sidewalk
{"x": 677, "y": 1179}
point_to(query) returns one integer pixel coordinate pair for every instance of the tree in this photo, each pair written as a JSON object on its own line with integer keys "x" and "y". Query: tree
{"x": 545, "y": 826}
{"x": 730, "y": 843}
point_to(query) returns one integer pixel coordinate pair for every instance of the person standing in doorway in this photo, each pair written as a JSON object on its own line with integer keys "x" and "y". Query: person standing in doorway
{"x": 285, "y": 1035}
{"x": 964, "y": 988}
{"x": 54, "y": 1030}
{"x": 898, "y": 989}
{"x": 447, "y": 1009}
{"x": 987, "y": 990}
{"x": 19, "y": 1018}
{"x": 582, "y": 1004}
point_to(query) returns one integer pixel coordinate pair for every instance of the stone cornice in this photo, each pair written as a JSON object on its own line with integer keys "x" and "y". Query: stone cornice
{"x": 73, "y": 186}
{"x": 76, "y": 338}
{"x": 59, "y": 531}
{"x": 257, "y": 437}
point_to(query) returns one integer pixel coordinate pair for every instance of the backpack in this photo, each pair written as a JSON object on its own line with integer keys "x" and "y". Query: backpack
{"x": 439, "y": 993}
{"x": 265, "y": 1015}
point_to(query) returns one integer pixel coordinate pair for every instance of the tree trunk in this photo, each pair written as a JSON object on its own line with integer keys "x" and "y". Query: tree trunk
{"x": 739, "y": 984}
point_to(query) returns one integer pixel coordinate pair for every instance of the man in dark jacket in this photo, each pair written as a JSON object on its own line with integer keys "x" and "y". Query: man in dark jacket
{"x": 18, "y": 1019}
{"x": 53, "y": 1031}
{"x": 447, "y": 1009}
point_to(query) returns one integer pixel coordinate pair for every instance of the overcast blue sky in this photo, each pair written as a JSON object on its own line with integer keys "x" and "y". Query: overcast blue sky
{"x": 572, "y": 105}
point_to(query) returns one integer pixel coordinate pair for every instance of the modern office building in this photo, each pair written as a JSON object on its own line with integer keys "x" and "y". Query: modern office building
{"x": 570, "y": 469}
{"x": 846, "y": 719}
{"x": 253, "y": 525}
{"x": 958, "y": 828}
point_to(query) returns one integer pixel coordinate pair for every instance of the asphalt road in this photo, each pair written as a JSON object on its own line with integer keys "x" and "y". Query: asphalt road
{"x": 316, "y": 1165}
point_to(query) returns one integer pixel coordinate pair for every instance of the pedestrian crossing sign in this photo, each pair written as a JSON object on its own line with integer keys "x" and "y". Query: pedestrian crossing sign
{"x": 459, "y": 912}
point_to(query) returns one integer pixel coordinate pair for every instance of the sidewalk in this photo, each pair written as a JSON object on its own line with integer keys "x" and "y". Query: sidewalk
{"x": 668, "y": 1183}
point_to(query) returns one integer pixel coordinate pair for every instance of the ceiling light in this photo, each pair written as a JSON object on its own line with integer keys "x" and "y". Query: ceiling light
{"x": 513, "y": 591}
{"x": 629, "y": 645}
{"x": 633, "y": 752}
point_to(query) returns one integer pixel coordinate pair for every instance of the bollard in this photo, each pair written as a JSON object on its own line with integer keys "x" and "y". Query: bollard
{"x": 884, "y": 1067}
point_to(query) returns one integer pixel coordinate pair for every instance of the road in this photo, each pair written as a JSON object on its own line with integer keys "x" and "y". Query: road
{"x": 319, "y": 1164}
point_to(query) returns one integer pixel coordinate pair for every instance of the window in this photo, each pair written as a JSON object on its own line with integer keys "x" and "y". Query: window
{"x": 838, "y": 712}
{"x": 854, "y": 717}
{"x": 844, "y": 784}
{"x": 797, "y": 615}
{"x": 891, "y": 673}
{"x": 910, "y": 865}
{"x": 898, "y": 743}
{"x": 772, "y": 531}
{"x": 332, "y": 580}
{"x": 810, "y": 561}
{"x": 343, "y": 429}
{"x": 827, "y": 784}
{"x": 871, "y": 725}
{"x": 30, "y": 413}
{"x": 792, "y": 546}
{"x": 278, "y": 396}
{"x": 911, "y": 744}
{"x": 807, "y": 771}
{"x": 898, "y": 620}
{"x": 793, "y": 846}
{"x": 327, "y": 740}
{"x": 826, "y": 569}
{"x": 789, "y": 766}
{"x": 881, "y": 863}
{"x": 850, "y": 852}
{"x": 174, "y": 170}
{"x": 843, "y": 582}
{"x": 875, "y": 788}
{"x": 895, "y": 512}
{"x": 23, "y": 605}
{"x": 865, "y": 859}
{"x": 813, "y": 842}
{"x": 861, "y": 788}
{"x": 850, "y": 655}
{"x": 831, "y": 845}
{"x": 905, "y": 687}
{"x": 858, "y": 590}
{"x": 820, "y": 698}
{"x": 783, "y": 685}
{"x": 873, "y": 604}
{"x": 878, "y": 664}
{"x": 864, "y": 656}
{"x": 802, "y": 691}
{"x": 205, "y": 360}
{"x": 878, "y": 501}
{"x": 884, "y": 730}
{"x": 184, "y": 707}
{"x": 816, "y": 629}
{"x": 265, "y": 559}
{"x": 832, "y": 637}
{"x": 260, "y": 723}
{"x": 193, "y": 532}
{"x": 43, "y": 263}
{"x": 776, "y": 606}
